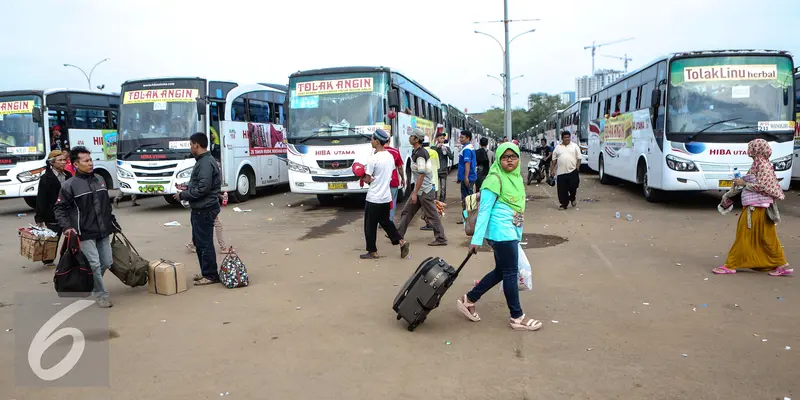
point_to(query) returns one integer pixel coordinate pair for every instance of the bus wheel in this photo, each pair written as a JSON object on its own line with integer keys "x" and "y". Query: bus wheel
{"x": 171, "y": 200}
{"x": 650, "y": 194}
{"x": 30, "y": 201}
{"x": 604, "y": 179}
{"x": 244, "y": 186}
{"x": 325, "y": 199}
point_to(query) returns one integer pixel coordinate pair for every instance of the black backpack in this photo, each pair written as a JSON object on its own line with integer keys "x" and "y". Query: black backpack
{"x": 73, "y": 276}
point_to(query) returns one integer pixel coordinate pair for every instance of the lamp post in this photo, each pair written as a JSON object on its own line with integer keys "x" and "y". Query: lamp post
{"x": 89, "y": 76}
{"x": 506, "y": 69}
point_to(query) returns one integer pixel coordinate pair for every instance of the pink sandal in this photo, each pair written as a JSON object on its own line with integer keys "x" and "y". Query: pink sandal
{"x": 464, "y": 306}
{"x": 723, "y": 270}
{"x": 782, "y": 271}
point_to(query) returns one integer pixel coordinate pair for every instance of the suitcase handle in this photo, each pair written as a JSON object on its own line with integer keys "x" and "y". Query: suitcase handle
{"x": 463, "y": 263}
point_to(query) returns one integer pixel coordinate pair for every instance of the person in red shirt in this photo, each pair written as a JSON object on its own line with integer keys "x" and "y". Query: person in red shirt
{"x": 398, "y": 176}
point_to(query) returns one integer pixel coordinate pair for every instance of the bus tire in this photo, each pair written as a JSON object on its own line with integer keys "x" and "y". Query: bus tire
{"x": 30, "y": 201}
{"x": 171, "y": 200}
{"x": 245, "y": 185}
{"x": 650, "y": 194}
{"x": 325, "y": 200}
{"x": 604, "y": 179}
{"x": 109, "y": 181}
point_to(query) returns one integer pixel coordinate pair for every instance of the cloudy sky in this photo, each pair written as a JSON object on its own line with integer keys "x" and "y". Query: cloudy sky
{"x": 432, "y": 41}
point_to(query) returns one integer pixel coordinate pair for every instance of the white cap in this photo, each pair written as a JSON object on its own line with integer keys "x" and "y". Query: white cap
{"x": 426, "y": 140}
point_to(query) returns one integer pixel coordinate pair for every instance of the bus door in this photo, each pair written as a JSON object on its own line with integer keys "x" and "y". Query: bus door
{"x": 655, "y": 153}
{"x": 216, "y": 144}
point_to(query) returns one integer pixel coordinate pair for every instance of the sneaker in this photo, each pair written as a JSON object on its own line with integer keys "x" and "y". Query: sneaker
{"x": 104, "y": 302}
{"x": 426, "y": 228}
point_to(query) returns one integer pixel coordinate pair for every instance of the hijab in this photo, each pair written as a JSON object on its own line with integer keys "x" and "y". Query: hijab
{"x": 765, "y": 180}
{"x": 508, "y": 186}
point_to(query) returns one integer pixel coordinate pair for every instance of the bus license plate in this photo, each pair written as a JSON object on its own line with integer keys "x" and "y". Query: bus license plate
{"x": 337, "y": 186}
{"x": 155, "y": 189}
{"x": 726, "y": 183}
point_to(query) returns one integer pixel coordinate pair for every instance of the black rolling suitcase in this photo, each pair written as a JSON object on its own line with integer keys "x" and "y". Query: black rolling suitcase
{"x": 422, "y": 292}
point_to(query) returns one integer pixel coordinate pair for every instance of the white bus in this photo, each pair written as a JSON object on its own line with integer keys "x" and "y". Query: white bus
{"x": 333, "y": 113}
{"x": 552, "y": 128}
{"x": 158, "y": 116}
{"x": 84, "y": 118}
{"x": 454, "y": 122}
{"x": 682, "y": 123}
{"x": 796, "y": 162}
{"x": 575, "y": 120}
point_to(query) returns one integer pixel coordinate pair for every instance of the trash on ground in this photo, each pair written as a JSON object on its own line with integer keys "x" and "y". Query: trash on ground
{"x": 756, "y": 335}
{"x": 678, "y": 264}
{"x": 21, "y": 215}
{"x": 447, "y": 343}
{"x": 763, "y": 340}
{"x": 589, "y": 349}
{"x": 225, "y": 323}
{"x": 780, "y": 298}
{"x": 629, "y": 217}
{"x": 272, "y": 204}
{"x": 297, "y": 308}
{"x": 705, "y": 279}
{"x": 684, "y": 355}
{"x": 694, "y": 308}
{"x": 618, "y": 214}
{"x": 788, "y": 347}
{"x": 237, "y": 209}
{"x": 554, "y": 321}
{"x": 172, "y": 223}
{"x": 647, "y": 304}
{"x": 523, "y": 243}
{"x": 163, "y": 320}
{"x": 9, "y": 329}
{"x": 704, "y": 305}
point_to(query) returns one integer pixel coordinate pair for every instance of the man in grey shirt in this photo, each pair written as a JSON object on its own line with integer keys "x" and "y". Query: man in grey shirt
{"x": 423, "y": 196}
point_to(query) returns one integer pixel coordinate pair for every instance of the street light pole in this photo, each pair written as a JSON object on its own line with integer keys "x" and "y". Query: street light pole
{"x": 89, "y": 76}
{"x": 507, "y": 72}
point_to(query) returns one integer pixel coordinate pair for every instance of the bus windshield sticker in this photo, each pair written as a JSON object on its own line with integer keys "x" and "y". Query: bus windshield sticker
{"x": 730, "y": 73}
{"x": 159, "y": 106}
{"x": 334, "y": 86}
{"x": 16, "y": 107}
{"x": 740, "y": 92}
{"x": 160, "y": 95}
{"x": 370, "y": 129}
{"x": 179, "y": 144}
{"x": 22, "y": 150}
{"x": 305, "y": 102}
{"x": 769, "y": 126}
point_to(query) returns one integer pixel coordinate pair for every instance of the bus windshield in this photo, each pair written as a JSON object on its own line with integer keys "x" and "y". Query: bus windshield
{"x": 736, "y": 94}
{"x": 583, "y": 121}
{"x": 338, "y": 105}
{"x": 158, "y": 120}
{"x": 19, "y": 135}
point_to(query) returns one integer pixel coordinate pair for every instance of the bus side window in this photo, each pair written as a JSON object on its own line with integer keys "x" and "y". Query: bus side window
{"x": 259, "y": 111}
{"x": 237, "y": 110}
{"x": 628, "y": 101}
{"x": 111, "y": 119}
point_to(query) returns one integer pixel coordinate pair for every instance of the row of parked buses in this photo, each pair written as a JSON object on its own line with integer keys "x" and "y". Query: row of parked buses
{"x": 574, "y": 119}
{"x": 683, "y": 121}
{"x": 307, "y": 134}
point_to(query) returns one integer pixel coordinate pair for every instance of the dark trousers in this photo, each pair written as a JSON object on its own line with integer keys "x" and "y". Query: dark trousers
{"x": 506, "y": 258}
{"x": 567, "y": 187}
{"x": 466, "y": 190}
{"x": 442, "y": 185}
{"x": 479, "y": 183}
{"x": 374, "y": 215}
{"x": 427, "y": 203}
{"x": 203, "y": 239}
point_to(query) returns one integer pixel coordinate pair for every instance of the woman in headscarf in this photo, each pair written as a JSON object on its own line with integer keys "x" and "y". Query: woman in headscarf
{"x": 500, "y": 218}
{"x": 49, "y": 188}
{"x": 757, "y": 246}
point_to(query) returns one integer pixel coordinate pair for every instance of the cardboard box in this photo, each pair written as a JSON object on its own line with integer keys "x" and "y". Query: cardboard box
{"x": 37, "y": 248}
{"x": 166, "y": 277}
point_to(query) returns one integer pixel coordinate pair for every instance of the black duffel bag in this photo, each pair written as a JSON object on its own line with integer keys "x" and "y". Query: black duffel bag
{"x": 127, "y": 264}
{"x": 73, "y": 276}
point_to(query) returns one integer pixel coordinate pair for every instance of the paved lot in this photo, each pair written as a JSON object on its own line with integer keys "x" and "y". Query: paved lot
{"x": 316, "y": 322}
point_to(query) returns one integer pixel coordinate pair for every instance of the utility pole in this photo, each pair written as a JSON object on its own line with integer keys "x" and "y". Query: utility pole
{"x": 89, "y": 76}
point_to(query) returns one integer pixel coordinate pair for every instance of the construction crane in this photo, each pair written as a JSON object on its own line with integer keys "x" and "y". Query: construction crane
{"x": 626, "y": 59}
{"x": 595, "y": 46}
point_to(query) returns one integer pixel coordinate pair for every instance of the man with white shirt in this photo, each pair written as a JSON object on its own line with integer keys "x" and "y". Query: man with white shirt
{"x": 379, "y": 198}
{"x": 565, "y": 166}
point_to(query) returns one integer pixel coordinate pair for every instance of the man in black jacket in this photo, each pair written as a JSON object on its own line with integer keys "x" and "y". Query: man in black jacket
{"x": 49, "y": 188}
{"x": 84, "y": 208}
{"x": 482, "y": 156}
{"x": 202, "y": 193}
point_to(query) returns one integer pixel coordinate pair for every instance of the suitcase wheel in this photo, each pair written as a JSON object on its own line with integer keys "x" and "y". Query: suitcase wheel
{"x": 399, "y": 317}
{"x": 411, "y": 327}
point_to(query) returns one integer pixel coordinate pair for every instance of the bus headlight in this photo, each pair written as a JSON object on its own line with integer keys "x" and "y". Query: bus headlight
{"x": 185, "y": 174}
{"x": 783, "y": 163}
{"x": 680, "y": 164}
{"x": 293, "y": 166}
{"x": 32, "y": 175}
{"x": 124, "y": 173}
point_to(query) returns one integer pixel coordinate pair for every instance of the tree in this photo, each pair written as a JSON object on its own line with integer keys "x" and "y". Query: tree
{"x": 542, "y": 106}
{"x": 521, "y": 120}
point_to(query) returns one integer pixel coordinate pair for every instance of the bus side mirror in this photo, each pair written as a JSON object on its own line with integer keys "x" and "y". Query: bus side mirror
{"x": 37, "y": 115}
{"x": 655, "y": 99}
{"x": 394, "y": 98}
{"x": 201, "y": 106}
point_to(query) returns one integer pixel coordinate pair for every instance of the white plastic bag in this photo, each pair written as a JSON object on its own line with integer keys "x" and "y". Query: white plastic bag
{"x": 525, "y": 276}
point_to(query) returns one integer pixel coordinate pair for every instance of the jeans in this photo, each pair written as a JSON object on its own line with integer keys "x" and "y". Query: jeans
{"x": 506, "y": 268}
{"x": 442, "y": 185}
{"x": 378, "y": 214}
{"x": 203, "y": 239}
{"x": 427, "y": 203}
{"x": 394, "y": 200}
{"x": 466, "y": 190}
{"x": 567, "y": 187}
{"x": 98, "y": 253}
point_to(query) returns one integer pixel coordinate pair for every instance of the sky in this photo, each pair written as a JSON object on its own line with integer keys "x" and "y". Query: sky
{"x": 431, "y": 41}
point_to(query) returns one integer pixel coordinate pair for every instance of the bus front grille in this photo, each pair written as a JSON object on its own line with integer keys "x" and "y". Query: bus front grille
{"x": 335, "y": 164}
{"x": 351, "y": 178}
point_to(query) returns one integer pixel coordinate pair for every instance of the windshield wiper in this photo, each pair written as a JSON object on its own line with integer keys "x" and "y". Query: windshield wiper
{"x": 741, "y": 127}
{"x": 709, "y": 126}
{"x": 141, "y": 146}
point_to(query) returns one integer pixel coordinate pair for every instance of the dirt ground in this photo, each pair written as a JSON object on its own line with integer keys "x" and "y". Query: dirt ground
{"x": 631, "y": 309}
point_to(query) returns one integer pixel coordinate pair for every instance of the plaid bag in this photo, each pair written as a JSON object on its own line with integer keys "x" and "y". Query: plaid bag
{"x": 232, "y": 272}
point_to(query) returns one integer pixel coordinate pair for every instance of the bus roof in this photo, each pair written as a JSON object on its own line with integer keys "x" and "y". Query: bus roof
{"x": 276, "y": 86}
{"x": 162, "y": 78}
{"x": 357, "y": 69}
{"x": 698, "y": 53}
{"x": 45, "y": 92}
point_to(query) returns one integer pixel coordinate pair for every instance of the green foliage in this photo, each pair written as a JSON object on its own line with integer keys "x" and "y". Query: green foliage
{"x": 522, "y": 120}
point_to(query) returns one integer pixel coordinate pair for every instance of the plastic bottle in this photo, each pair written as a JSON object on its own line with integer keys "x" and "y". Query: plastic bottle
{"x": 618, "y": 214}
{"x": 629, "y": 217}
{"x": 736, "y": 173}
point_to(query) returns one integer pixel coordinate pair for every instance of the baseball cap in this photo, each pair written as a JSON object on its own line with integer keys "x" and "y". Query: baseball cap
{"x": 418, "y": 133}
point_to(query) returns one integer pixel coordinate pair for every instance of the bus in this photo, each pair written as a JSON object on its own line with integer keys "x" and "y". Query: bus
{"x": 552, "y": 128}
{"x": 575, "y": 120}
{"x": 796, "y": 162}
{"x": 28, "y": 119}
{"x": 158, "y": 115}
{"x": 682, "y": 122}
{"x": 332, "y": 115}
{"x": 454, "y": 121}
